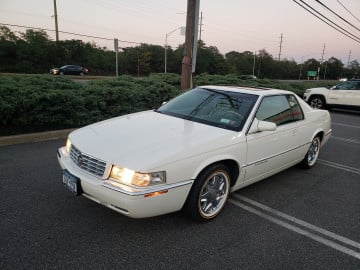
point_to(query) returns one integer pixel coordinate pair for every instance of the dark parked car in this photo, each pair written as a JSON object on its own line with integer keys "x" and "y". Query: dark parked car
{"x": 69, "y": 70}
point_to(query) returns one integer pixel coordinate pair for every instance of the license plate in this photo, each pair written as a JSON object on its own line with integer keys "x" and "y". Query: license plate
{"x": 72, "y": 182}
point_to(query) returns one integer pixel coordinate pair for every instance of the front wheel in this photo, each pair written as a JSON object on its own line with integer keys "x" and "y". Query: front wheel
{"x": 317, "y": 102}
{"x": 312, "y": 154}
{"x": 209, "y": 193}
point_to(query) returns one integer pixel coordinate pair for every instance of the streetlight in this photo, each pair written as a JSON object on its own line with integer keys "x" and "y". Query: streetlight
{"x": 182, "y": 28}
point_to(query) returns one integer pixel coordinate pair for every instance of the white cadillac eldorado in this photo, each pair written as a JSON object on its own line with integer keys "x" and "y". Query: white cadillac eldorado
{"x": 193, "y": 151}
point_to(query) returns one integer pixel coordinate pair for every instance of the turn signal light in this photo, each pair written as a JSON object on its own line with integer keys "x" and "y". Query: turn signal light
{"x": 153, "y": 194}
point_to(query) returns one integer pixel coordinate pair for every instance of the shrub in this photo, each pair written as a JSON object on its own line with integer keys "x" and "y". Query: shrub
{"x": 30, "y": 103}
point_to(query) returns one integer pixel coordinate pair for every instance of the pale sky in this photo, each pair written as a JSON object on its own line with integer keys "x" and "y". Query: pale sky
{"x": 229, "y": 24}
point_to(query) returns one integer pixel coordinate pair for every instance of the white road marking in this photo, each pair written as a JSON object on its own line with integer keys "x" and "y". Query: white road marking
{"x": 298, "y": 221}
{"x": 344, "y": 125}
{"x": 345, "y": 139}
{"x": 297, "y": 229}
{"x": 339, "y": 166}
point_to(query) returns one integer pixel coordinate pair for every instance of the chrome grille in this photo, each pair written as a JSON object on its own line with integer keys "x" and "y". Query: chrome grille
{"x": 90, "y": 164}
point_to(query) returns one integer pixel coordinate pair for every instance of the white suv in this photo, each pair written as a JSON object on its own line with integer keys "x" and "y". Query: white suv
{"x": 342, "y": 95}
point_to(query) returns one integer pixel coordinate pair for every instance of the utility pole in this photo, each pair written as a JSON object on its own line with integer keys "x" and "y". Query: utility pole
{"x": 325, "y": 69}
{"x": 348, "y": 63}
{"x": 254, "y": 64}
{"x": 322, "y": 56}
{"x": 56, "y": 22}
{"x": 322, "y": 59}
{"x": 301, "y": 67}
{"x": 116, "y": 48}
{"x": 201, "y": 24}
{"x": 186, "y": 71}
{"x": 281, "y": 40}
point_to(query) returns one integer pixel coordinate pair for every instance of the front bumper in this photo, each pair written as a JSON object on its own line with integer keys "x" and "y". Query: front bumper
{"x": 132, "y": 202}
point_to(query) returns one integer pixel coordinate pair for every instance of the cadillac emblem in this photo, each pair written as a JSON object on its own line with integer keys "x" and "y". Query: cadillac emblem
{"x": 80, "y": 160}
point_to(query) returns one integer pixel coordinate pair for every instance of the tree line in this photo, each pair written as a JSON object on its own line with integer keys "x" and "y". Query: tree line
{"x": 33, "y": 51}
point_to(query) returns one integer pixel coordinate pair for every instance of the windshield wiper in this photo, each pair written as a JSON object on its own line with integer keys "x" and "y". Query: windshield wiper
{"x": 230, "y": 98}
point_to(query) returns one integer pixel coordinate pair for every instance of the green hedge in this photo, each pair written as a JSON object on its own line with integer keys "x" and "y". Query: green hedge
{"x": 31, "y": 103}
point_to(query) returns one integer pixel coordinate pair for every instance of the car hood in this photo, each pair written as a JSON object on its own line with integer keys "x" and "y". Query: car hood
{"x": 147, "y": 140}
{"x": 318, "y": 88}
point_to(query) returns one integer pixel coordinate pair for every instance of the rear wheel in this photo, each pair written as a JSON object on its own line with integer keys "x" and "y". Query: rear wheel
{"x": 209, "y": 193}
{"x": 317, "y": 102}
{"x": 312, "y": 154}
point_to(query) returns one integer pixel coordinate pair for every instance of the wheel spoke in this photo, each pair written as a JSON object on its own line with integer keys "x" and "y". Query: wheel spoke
{"x": 208, "y": 207}
{"x": 218, "y": 198}
{"x": 222, "y": 185}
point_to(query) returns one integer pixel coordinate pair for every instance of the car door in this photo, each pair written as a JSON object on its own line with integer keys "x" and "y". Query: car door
{"x": 343, "y": 93}
{"x": 355, "y": 100}
{"x": 77, "y": 70}
{"x": 269, "y": 152}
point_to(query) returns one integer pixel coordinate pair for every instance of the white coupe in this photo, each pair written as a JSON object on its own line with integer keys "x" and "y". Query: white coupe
{"x": 193, "y": 151}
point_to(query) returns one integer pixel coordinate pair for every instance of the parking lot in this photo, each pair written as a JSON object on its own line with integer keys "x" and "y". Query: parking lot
{"x": 298, "y": 219}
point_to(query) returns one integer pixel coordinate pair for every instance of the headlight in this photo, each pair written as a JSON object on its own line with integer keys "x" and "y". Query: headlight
{"x": 308, "y": 91}
{"x": 132, "y": 178}
{"x": 68, "y": 146}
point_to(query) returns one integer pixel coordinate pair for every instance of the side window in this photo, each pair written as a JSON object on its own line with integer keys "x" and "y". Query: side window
{"x": 275, "y": 109}
{"x": 358, "y": 86}
{"x": 295, "y": 108}
{"x": 353, "y": 85}
{"x": 349, "y": 85}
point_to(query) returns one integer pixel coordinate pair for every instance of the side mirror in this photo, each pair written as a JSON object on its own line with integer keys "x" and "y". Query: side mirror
{"x": 259, "y": 126}
{"x": 266, "y": 126}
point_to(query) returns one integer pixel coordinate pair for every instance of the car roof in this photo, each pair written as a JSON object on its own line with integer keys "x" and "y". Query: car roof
{"x": 259, "y": 91}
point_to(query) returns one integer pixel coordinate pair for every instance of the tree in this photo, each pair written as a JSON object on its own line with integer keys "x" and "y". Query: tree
{"x": 333, "y": 68}
{"x": 265, "y": 64}
{"x": 353, "y": 70}
{"x": 6, "y": 34}
{"x": 210, "y": 60}
{"x": 311, "y": 65}
{"x": 240, "y": 63}
{"x": 34, "y": 52}
{"x": 8, "y": 50}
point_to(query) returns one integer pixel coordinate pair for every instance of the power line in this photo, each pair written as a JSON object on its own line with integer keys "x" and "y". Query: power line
{"x": 329, "y": 19}
{"x": 333, "y": 12}
{"x": 69, "y": 33}
{"x": 348, "y": 11}
{"x": 356, "y": 39}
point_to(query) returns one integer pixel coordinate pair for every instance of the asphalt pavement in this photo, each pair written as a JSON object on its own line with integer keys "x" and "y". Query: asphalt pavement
{"x": 297, "y": 219}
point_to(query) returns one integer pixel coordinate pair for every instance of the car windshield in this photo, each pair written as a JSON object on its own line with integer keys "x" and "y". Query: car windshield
{"x": 223, "y": 109}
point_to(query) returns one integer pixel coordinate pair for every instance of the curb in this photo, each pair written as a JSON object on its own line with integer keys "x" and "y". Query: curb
{"x": 34, "y": 137}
